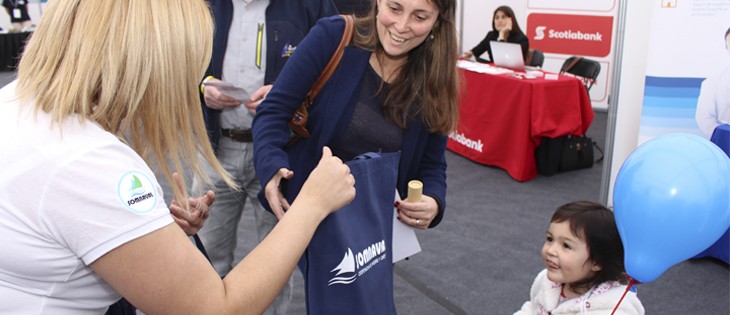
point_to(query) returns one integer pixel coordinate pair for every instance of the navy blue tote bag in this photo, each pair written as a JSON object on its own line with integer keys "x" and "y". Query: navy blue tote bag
{"x": 348, "y": 268}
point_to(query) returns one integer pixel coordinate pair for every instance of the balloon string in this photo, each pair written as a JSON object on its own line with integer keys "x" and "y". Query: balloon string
{"x": 628, "y": 287}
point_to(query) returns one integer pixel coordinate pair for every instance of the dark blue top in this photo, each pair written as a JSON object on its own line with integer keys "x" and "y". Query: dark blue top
{"x": 422, "y": 152}
{"x": 369, "y": 130}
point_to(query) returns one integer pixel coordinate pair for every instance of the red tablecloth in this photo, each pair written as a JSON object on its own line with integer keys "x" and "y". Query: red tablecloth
{"x": 503, "y": 118}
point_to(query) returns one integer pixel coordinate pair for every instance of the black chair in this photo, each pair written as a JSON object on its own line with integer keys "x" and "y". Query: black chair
{"x": 586, "y": 70}
{"x": 535, "y": 58}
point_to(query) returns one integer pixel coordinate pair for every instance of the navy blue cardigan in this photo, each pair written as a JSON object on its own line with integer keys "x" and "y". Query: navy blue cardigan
{"x": 287, "y": 22}
{"x": 422, "y": 152}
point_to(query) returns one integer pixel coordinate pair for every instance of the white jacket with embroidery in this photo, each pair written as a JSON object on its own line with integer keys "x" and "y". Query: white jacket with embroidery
{"x": 601, "y": 299}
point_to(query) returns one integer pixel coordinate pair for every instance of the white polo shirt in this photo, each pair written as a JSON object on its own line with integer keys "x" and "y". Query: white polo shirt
{"x": 66, "y": 200}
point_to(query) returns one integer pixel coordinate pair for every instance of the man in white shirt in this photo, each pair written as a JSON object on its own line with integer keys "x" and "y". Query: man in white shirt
{"x": 713, "y": 104}
{"x": 253, "y": 41}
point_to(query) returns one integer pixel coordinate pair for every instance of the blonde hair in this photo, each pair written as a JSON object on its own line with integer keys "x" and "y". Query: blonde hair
{"x": 133, "y": 68}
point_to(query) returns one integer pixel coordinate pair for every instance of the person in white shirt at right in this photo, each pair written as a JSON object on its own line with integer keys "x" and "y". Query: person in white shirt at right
{"x": 713, "y": 104}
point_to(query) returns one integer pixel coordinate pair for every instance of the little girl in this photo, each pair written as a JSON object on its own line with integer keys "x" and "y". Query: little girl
{"x": 584, "y": 261}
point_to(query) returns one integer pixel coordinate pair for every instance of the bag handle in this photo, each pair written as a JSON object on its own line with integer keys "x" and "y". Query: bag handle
{"x": 595, "y": 145}
{"x": 334, "y": 61}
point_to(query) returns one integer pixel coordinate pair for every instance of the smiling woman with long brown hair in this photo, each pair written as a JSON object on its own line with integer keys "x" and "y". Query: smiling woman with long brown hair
{"x": 395, "y": 90}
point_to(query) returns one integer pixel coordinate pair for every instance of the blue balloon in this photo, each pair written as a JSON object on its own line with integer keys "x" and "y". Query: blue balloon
{"x": 671, "y": 201}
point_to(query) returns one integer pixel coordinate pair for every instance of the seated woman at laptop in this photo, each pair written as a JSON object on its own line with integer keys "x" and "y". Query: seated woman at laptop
{"x": 504, "y": 29}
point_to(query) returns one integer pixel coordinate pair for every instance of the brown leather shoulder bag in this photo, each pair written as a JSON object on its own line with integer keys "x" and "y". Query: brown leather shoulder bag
{"x": 298, "y": 122}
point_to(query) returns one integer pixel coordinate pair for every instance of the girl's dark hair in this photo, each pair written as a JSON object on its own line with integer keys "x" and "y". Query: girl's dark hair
{"x": 595, "y": 224}
{"x": 428, "y": 83}
{"x": 510, "y": 14}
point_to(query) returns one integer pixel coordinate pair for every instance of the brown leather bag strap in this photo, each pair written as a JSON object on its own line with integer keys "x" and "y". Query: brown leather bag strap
{"x": 334, "y": 60}
{"x": 298, "y": 122}
{"x": 572, "y": 64}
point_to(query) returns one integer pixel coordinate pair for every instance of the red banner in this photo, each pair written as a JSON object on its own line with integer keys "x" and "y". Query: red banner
{"x": 584, "y": 35}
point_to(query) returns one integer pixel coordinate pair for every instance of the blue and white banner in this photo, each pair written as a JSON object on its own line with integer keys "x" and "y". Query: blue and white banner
{"x": 687, "y": 45}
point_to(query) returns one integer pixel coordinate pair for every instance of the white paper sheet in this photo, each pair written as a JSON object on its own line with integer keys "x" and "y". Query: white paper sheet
{"x": 481, "y": 67}
{"x": 230, "y": 90}
{"x": 405, "y": 242}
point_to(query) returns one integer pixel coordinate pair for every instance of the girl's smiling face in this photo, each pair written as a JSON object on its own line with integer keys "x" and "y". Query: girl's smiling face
{"x": 566, "y": 255}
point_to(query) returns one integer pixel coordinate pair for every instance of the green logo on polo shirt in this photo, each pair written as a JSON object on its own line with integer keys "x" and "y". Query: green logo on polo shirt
{"x": 137, "y": 192}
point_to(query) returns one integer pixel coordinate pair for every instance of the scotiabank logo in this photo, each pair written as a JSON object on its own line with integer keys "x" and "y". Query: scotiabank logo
{"x": 569, "y": 34}
{"x": 586, "y": 35}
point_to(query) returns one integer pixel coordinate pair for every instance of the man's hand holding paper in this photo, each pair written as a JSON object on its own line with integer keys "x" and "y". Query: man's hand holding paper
{"x": 220, "y": 95}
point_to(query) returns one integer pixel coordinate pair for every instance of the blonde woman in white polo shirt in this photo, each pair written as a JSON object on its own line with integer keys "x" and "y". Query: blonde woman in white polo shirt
{"x": 103, "y": 84}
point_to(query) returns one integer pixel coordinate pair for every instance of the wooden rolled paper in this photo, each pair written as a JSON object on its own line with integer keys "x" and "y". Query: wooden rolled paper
{"x": 415, "y": 190}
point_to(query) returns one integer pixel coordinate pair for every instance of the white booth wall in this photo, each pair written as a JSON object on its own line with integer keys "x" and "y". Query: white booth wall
{"x": 670, "y": 47}
{"x": 625, "y": 117}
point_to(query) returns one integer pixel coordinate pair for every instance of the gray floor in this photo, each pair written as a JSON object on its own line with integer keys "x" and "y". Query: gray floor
{"x": 484, "y": 255}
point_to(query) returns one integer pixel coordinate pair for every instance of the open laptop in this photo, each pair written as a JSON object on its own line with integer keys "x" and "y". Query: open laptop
{"x": 508, "y": 55}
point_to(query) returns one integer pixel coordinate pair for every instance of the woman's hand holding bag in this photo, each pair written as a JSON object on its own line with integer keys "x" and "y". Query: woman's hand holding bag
{"x": 330, "y": 181}
{"x": 330, "y": 186}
